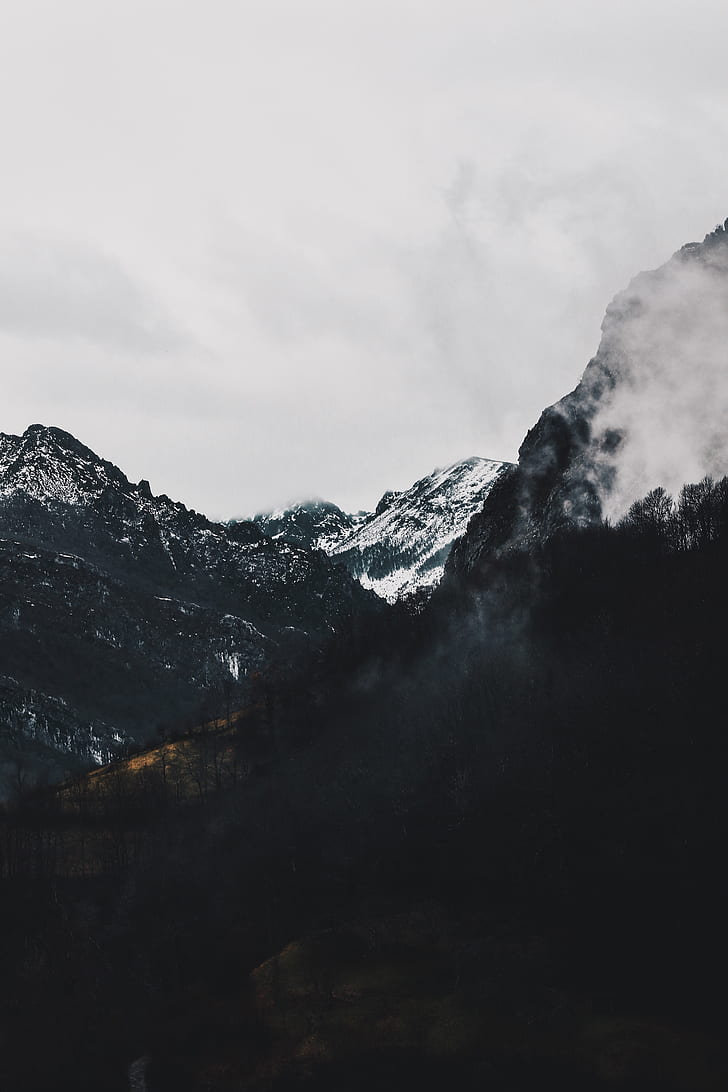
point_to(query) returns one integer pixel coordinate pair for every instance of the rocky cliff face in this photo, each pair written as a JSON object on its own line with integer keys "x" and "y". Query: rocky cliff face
{"x": 651, "y": 409}
{"x": 119, "y": 609}
{"x": 401, "y": 547}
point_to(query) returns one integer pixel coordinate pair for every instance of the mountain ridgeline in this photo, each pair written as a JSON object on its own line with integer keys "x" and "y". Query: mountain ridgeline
{"x": 122, "y": 610}
{"x": 126, "y": 614}
{"x": 400, "y": 549}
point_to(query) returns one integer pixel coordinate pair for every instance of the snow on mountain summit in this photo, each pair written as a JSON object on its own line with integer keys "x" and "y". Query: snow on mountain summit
{"x": 47, "y": 463}
{"x": 314, "y": 524}
{"x": 402, "y": 546}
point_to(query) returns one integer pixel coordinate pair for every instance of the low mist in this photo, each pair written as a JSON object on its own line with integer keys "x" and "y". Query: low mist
{"x": 665, "y": 343}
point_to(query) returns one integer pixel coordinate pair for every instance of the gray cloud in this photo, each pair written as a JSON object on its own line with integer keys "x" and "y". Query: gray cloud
{"x": 58, "y": 290}
{"x": 668, "y": 336}
{"x": 321, "y": 248}
{"x": 297, "y": 296}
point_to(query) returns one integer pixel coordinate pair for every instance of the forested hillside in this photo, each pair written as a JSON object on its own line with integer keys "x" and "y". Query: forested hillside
{"x": 480, "y": 843}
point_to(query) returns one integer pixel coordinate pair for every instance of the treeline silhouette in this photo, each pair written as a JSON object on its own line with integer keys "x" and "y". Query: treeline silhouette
{"x": 542, "y": 755}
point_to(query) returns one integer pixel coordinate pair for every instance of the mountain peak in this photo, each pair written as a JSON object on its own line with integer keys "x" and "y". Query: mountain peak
{"x": 49, "y": 464}
{"x": 714, "y": 246}
{"x": 403, "y": 547}
{"x": 312, "y": 524}
{"x": 155, "y": 601}
{"x": 51, "y": 431}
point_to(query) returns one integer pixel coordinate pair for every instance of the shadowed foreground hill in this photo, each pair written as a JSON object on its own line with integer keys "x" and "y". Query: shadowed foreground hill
{"x": 485, "y": 847}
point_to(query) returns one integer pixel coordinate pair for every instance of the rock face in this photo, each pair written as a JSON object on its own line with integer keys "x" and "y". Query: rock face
{"x": 119, "y": 609}
{"x": 401, "y": 547}
{"x": 651, "y": 410}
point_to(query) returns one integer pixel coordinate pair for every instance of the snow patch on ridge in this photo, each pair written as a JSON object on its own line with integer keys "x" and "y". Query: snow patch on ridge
{"x": 402, "y": 546}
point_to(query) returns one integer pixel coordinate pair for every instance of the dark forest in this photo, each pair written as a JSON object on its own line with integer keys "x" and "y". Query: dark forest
{"x": 477, "y": 842}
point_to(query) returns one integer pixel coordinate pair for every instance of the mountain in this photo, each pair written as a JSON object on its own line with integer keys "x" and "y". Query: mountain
{"x": 650, "y": 410}
{"x": 401, "y": 547}
{"x": 120, "y": 609}
{"x": 314, "y": 524}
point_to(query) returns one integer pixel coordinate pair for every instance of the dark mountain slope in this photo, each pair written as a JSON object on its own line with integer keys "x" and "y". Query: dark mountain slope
{"x": 500, "y": 859}
{"x": 119, "y": 609}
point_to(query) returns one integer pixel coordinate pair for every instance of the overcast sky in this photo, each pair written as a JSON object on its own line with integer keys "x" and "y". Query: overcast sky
{"x": 255, "y": 251}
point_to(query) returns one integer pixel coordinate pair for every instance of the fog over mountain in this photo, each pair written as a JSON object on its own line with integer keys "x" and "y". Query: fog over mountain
{"x": 650, "y": 411}
{"x": 666, "y": 337}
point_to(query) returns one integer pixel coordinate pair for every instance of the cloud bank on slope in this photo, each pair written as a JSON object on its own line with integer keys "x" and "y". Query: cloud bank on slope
{"x": 665, "y": 342}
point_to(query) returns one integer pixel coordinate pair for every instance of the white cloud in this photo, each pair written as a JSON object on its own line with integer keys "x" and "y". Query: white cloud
{"x": 668, "y": 334}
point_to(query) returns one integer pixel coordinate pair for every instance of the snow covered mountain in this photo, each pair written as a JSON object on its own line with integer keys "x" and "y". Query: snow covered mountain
{"x": 120, "y": 609}
{"x": 314, "y": 524}
{"x": 401, "y": 547}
